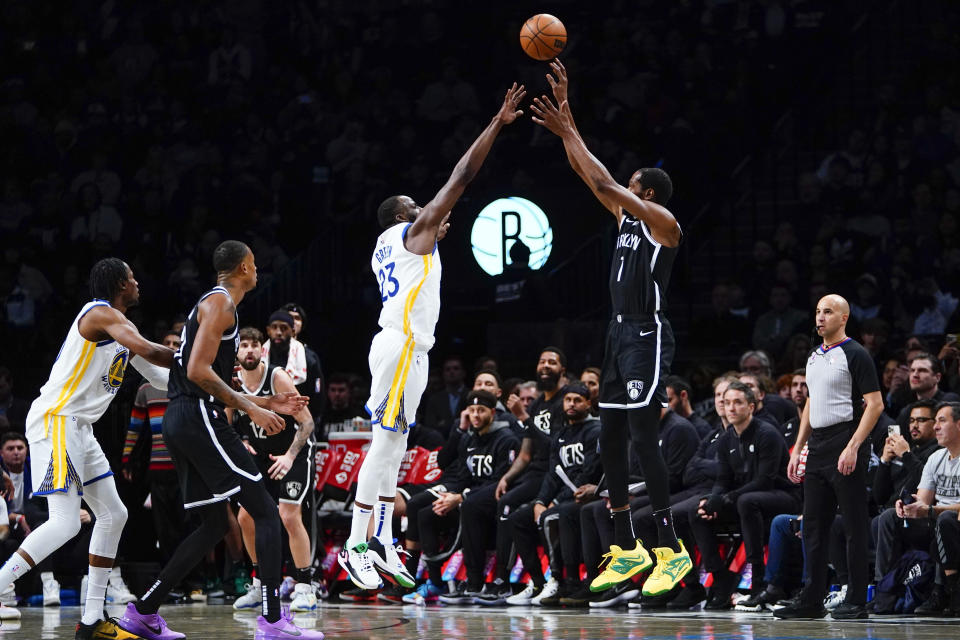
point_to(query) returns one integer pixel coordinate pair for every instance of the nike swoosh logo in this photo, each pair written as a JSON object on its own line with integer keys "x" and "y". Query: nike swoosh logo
{"x": 157, "y": 631}
{"x": 645, "y": 333}
{"x": 107, "y": 634}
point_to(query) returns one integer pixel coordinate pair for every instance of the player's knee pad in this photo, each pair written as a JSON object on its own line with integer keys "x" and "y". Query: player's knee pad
{"x": 111, "y": 516}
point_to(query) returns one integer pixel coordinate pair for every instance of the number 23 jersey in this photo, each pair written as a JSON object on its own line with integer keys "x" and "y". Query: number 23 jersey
{"x": 409, "y": 286}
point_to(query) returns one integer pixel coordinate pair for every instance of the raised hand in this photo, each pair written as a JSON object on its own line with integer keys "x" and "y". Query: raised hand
{"x": 444, "y": 227}
{"x": 560, "y": 84}
{"x": 509, "y": 111}
{"x": 554, "y": 119}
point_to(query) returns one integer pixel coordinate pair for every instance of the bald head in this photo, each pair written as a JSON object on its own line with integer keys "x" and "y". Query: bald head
{"x": 832, "y": 314}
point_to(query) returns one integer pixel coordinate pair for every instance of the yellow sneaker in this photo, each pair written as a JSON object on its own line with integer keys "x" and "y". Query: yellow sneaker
{"x": 109, "y": 630}
{"x": 671, "y": 567}
{"x": 622, "y": 565}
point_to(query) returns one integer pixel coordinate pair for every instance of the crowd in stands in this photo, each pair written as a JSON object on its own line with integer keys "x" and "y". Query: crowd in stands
{"x": 154, "y": 139}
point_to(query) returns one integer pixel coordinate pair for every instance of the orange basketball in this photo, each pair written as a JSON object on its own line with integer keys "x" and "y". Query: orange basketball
{"x": 543, "y": 37}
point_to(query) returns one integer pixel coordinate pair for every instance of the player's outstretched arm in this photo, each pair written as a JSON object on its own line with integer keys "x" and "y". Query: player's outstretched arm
{"x": 423, "y": 232}
{"x": 102, "y": 320}
{"x": 215, "y": 315}
{"x": 559, "y": 120}
{"x": 283, "y": 384}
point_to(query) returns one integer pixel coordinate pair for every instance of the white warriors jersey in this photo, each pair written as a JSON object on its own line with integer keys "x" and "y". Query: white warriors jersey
{"x": 409, "y": 286}
{"x": 84, "y": 379}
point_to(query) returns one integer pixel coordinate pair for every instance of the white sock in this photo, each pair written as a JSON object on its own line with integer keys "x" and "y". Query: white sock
{"x": 383, "y": 525}
{"x": 97, "y": 579}
{"x": 12, "y": 569}
{"x": 358, "y": 526}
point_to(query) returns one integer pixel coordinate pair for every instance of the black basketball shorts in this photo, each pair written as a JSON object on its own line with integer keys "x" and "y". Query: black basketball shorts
{"x": 636, "y": 360}
{"x": 207, "y": 452}
{"x": 293, "y": 487}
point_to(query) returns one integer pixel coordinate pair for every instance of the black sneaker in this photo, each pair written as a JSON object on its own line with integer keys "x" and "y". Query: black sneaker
{"x": 494, "y": 593}
{"x": 724, "y": 584}
{"x": 760, "y": 601}
{"x": 85, "y": 631}
{"x": 953, "y": 603}
{"x": 690, "y": 596}
{"x": 393, "y": 594}
{"x": 801, "y": 610}
{"x": 655, "y": 603}
{"x": 358, "y": 595}
{"x": 849, "y": 611}
{"x": 462, "y": 594}
{"x": 582, "y": 597}
{"x": 620, "y": 593}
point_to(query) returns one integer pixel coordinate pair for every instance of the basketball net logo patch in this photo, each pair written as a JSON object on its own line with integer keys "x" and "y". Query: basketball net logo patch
{"x": 634, "y": 389}
{"x": 293, "y": 489}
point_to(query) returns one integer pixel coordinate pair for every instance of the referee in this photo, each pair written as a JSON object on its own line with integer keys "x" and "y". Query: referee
{"x": 844, "y": 405}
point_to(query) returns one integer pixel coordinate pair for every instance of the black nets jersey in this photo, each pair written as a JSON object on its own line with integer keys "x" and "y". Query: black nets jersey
{"x": 278, "y": 443}
{"x": 179, "y": 384}
{"x": 640, "y": 272}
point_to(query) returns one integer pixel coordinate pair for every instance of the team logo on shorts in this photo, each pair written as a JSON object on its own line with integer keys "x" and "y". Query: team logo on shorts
{"x": 634, "y": 389}
{"x": 114, "y": 377}
{"x": 293, "y": 488}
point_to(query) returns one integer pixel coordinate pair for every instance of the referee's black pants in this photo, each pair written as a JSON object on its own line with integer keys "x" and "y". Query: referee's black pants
{"x": 824, "y": 489}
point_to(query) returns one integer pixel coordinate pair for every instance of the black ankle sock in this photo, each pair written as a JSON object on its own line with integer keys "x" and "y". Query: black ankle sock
{"x": 666, "y": 536}
{"x": 623, "y": 535}
{"x": 270, "y": 595}
{"x": 304, "y": 575}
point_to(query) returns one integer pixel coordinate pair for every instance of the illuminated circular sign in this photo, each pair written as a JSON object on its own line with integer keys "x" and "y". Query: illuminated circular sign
{"x": 501, "y": 224}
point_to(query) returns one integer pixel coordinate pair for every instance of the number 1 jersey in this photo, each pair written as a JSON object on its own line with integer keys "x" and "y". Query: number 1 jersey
{"x": 409, "y": 286}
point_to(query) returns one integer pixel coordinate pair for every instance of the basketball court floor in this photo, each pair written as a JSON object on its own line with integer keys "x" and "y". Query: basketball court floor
{"x": 363, "y": 621}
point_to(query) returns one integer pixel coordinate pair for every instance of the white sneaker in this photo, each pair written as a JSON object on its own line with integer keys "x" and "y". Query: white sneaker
{"x": 251, "y": 598}
{"x": 9, "y": 596}
{"x": 549, "y": 589}
{"x": 304, "y": 598}
{"x": 525, "y": 596}
{"x": 51, "y": 589}
{"x": 835, "y": 598}
{"x": 389, "y": 560}
{"x": 117, "y": 590}
{"x": 359, "y": 567}
{"x": 9, "y": 613}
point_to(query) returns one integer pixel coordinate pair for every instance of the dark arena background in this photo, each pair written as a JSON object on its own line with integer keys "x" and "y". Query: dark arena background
{"x": 813, "y": 145}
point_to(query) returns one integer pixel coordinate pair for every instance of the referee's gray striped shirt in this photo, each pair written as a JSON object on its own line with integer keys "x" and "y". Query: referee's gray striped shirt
{"x": 838, "y": 376}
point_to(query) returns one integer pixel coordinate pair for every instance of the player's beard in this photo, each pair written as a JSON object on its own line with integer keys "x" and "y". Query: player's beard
{"x": 248, "y": 366}
{"x": 547, "y": 381}
{"x": 280, "y": 351}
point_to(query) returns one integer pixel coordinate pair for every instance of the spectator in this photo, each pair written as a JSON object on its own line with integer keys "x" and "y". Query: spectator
{"x": 756, "y": 362}
{"x": 94, "y": 219}
{"x": 720, "y": 328}
{"x": 574, "y": 469}
{"x": 466, "y": 494}
{"x": 443, "y": 406}
{"x": 934, "y": 511}
{"x": 230, "y": 63}
{"x": 751, "y": 488}
{"x": 312, "y": 387}
{"x": 776, "y": 325}
{"x": 13, "y": 410}
{"x": 925, "y": 375}
{"x": 591, "y": 378}
{"x": 282, "y": 349}
{"x": 146, "y": 421}
{"x": 901, "y": 461}
{"x": 342, "y": 412}
{"x": 770, "y": 407}
{"x": 527, "y": 393}
{"x": 679, "y": 393}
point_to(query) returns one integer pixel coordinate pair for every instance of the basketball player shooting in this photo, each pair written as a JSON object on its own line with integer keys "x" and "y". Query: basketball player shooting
{"x": 639, "y": 346}
{"x": 407, "y": 265}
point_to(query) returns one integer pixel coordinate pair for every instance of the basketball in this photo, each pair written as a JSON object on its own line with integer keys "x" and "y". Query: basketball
{"x": 543, "y": 37}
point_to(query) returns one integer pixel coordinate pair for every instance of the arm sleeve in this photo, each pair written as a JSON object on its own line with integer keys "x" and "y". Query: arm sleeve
{"x": 769, "y": 459}
{"x": 156, "y": 376}
{"x": 724, "y": 472}
{"x": 551, "y": 484}
{"x": 504, "y": 454}
{"x": 927, "y": 478}
{"x": 678, "y": 451}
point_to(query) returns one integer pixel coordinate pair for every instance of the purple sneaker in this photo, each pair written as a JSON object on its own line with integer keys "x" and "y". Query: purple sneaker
{"x": 148, "y": 627}
{"x": 284, "y": 629}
